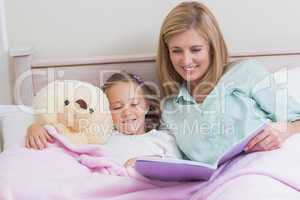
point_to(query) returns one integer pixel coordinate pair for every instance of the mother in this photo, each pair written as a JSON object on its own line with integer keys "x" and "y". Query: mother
{"x": 209, "y": 102}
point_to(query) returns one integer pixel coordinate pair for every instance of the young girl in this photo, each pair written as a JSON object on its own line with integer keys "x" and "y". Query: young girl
{"x": 135, "y": 110}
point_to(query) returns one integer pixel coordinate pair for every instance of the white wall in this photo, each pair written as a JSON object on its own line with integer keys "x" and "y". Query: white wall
{"x": 264, "y": 25}
{"x": 87, "y": 28}
{"x": 5, "y": 93}
{"x": 68, "y": 28}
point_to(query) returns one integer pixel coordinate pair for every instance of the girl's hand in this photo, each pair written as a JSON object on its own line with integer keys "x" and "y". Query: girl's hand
{"x": 130, "y": 162}
{"x": 37, "y": 137}
{"x": 270, "y": 138}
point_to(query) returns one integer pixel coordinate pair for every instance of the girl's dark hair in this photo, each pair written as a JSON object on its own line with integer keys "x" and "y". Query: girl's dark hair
{"x": 152, "y": 118}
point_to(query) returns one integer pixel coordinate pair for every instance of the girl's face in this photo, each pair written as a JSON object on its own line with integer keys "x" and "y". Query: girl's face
{"x": 128, "y": 107}
{"x": 189, "y": 54}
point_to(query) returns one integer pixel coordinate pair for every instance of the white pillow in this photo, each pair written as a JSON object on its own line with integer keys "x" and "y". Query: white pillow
{"x": 289, "y": 79}
{"x": 294, "y": 83}
{"x": 14, "y": 123}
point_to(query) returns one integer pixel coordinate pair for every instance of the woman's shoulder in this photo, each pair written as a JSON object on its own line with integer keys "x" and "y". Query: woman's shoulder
{"x": 245, "y": 67}
{"x": 245, "y": 70}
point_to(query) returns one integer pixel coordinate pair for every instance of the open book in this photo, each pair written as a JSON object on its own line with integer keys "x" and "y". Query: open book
{"x": 168, "y": 169}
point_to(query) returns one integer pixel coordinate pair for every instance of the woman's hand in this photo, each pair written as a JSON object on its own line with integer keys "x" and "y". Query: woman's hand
{"x": 37, "y": 137}
{"x": 270, "y": 138}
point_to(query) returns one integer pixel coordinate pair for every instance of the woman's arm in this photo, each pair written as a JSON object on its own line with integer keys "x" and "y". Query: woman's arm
{"x": 273, "y": 136}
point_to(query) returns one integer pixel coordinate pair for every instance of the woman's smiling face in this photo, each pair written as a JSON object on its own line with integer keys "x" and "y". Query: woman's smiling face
{"x": 189, "y": 54}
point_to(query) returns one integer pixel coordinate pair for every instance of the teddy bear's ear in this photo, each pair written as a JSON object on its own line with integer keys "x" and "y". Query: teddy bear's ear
{"x": 45, "y": 100}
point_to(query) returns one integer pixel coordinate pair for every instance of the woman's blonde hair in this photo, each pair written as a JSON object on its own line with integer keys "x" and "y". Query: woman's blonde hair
{"x": 186, "y": 16}
{"x": 152, "y": 118}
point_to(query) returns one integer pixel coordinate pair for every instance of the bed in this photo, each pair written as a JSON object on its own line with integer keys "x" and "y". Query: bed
{"x": 273, "y": 176}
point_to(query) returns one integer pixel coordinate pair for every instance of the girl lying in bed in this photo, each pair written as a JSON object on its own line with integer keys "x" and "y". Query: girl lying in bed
{"x": 136, "y": 113}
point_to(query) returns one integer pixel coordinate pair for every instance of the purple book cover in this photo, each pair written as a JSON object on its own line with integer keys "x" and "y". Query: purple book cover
{"x": 167, "y": 169}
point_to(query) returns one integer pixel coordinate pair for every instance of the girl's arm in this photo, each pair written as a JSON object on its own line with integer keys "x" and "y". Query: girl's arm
{"x": 37, "y": 137}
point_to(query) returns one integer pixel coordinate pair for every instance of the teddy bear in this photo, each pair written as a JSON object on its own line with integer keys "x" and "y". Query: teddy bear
{"x": 78, "y": 110}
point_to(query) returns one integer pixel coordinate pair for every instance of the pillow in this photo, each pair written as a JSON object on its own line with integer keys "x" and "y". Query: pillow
{"x": 294, "y": 82}
{"x": 14, "y": 123}
{"x": 289, "y": 79}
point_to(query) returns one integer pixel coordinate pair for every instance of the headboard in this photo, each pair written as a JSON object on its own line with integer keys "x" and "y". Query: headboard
{"x": 30, "y": 75}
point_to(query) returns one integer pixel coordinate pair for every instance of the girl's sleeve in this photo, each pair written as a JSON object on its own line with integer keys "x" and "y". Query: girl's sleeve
{"x": 271, "y": 95}
{"x": 168, "y": 142}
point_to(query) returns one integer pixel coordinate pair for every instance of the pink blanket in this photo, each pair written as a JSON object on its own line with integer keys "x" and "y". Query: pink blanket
{"x": 63, "y": 171}
{"x": 273, "y": 175}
